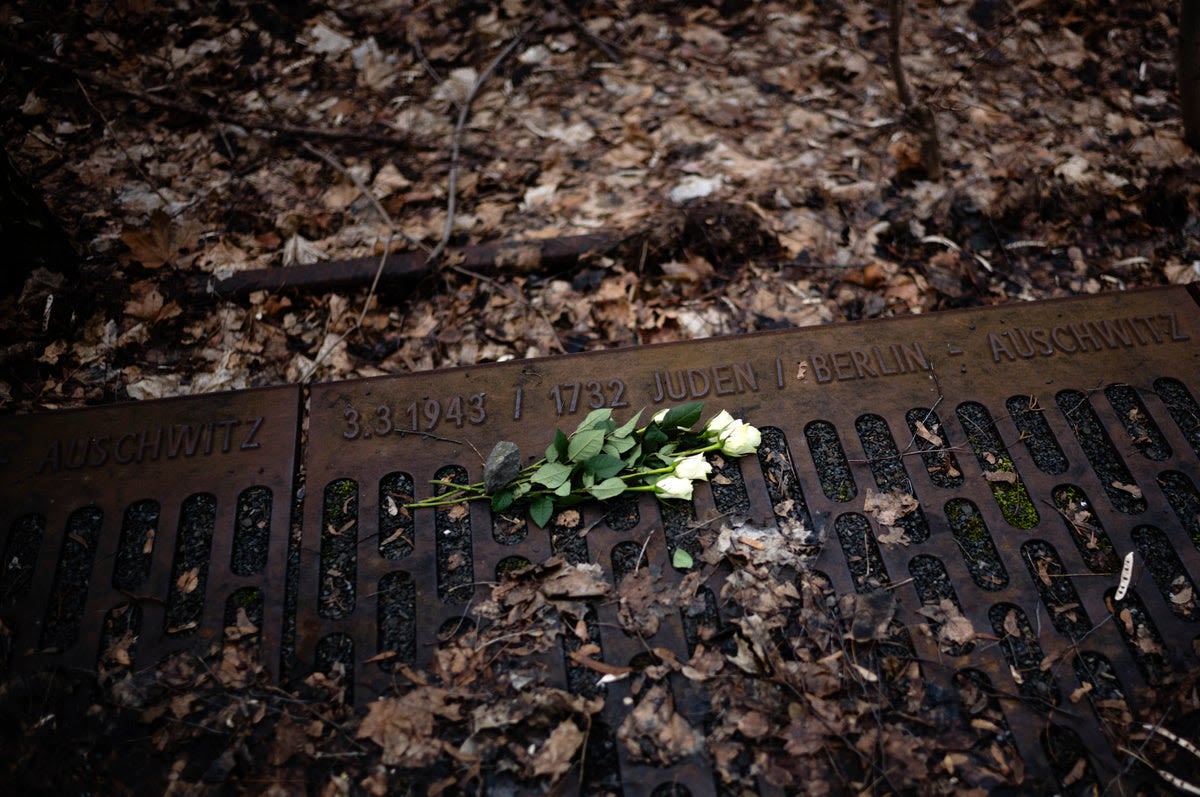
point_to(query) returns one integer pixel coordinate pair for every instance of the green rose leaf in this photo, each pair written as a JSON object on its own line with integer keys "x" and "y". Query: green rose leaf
{"x": 502, "y": 500}
{"x": 594, "y": 418}
{"x": 661, "y": 458}
{"x": 653, "y": 439}
{"x": 609, "y": 488}
{"x": 585, "y": 445}
{"x": 551, "y": 475}
{"x": 563, "y": 489}
{"x": 602, "y": 466}
{"x": 682, "y": 560}
{"x": 627, "y": 428}
{"x": 633, "y": 456}
{"x": 682, "y": 417}
{"x": 618, "y": 445}
{"x": 541, "y": 509}
{"x": 557, "y": 451}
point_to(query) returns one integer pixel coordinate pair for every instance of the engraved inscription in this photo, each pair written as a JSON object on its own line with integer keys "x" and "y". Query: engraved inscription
{"x": 694, "y": 383}
{"x": 152, "y": 444}
{"x": 570, "y": 397}
{"x": 868, "y": 362}
{"x": 1021, "y": 343}
{"x": 423, "y": 415}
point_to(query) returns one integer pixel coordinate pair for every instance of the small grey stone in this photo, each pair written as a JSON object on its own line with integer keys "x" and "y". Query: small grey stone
{"x": 503, "y": 465}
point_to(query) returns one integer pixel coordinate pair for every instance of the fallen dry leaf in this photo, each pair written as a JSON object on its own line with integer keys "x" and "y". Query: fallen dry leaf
{"x": 555, "y": 757}
{"x": 404, "y": 727}
{"x": 242, "y": 626}
{"x": 1132, "y": 489}
{"x": 952, "y": 626}
{"x": 160, "y": 242}
{"x": 928, "y": 436}
{"x": 148, "y": 304}
{"x": 655, "y": 733}
{"x": 188, "y": 581}
{"x": 642, "y": 603}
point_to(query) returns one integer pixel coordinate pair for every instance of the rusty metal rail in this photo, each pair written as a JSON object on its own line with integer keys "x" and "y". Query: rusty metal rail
{"x": 1042, "y": 442}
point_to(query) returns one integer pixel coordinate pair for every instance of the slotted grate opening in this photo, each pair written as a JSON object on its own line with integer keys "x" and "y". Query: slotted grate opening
{"x": 934, "y": 526}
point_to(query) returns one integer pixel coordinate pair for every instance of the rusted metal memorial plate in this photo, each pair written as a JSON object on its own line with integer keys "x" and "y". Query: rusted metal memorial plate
{"x": 1039, "y": 443}
{"x": 1042, "y": 442}
{"x": 162, "y": 518}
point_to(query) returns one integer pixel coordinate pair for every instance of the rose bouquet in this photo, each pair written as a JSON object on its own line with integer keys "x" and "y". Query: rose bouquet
{"x": 602, "y": 460}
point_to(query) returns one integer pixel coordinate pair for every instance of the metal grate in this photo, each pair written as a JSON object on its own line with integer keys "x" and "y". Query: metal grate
{"x": 1040, "y": 443}
{"x": 162, "y": 519}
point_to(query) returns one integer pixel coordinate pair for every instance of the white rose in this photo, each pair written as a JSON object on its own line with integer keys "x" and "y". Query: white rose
{"x": 717, "y": 424}
{"x": 673, "y": 487}
{"x": 740, "y": 439}
{"x": 693, "y": 468}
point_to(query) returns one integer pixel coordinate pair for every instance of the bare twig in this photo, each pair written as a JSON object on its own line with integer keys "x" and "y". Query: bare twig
{"x": 921, "y": 115}
{"x": 121, "y": 145}
{"x": 369, "y": 194}
{"x": 603, "y": 44}
{"x": 1176, "y": 781}
{"x": 420, "y": 53}
{"x": 515, "y": 296}
{"x": 324, "y": 351}
{"x": 221, "y": 117}
{"x": 456, "y": 143}
{"x": 642, "y": 552}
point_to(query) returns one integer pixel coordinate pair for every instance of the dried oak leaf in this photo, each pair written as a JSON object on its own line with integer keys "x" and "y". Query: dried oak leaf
{"x": 803, "y": 737}
{"x": 576, "y": 581}
{"x": 785, "y": 545}
{"x": 1132, "y": 489}
{"x": 404, "y": 727}
{"x": 753, "y": 724}
{"x": 655, "y": 733}
{"x": 704, "y": 664}
{"x": 1012, "y": 626}
{"x": 522, "y": 594}
{"x": 555, "y": 756}
{"x": 927, "y": 435}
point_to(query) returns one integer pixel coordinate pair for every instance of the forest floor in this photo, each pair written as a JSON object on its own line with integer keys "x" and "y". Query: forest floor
{"x": 741, "y": 166}
{"x": 750, "y": 162}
